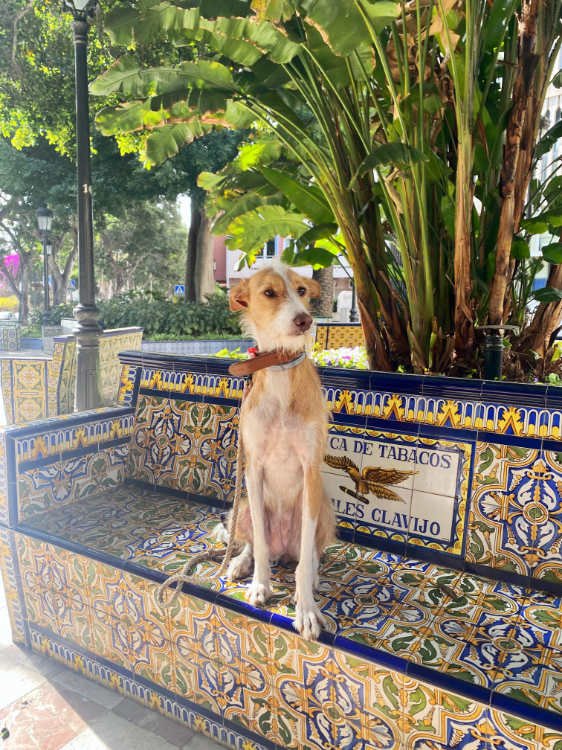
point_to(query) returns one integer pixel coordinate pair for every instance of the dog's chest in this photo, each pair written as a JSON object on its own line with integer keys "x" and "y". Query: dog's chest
{"x": 271, "y": 426}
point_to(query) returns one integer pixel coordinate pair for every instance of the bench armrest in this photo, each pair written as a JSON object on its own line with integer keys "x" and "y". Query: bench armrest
{"x": 58, "y": 461}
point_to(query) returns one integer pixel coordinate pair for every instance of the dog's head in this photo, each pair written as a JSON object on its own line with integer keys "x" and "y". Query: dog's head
{"x": 275, "y": 306}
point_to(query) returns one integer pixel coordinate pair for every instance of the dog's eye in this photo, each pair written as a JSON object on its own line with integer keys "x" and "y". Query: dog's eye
{"x": 301, "y": 291}
{"x": 269, "y": 293}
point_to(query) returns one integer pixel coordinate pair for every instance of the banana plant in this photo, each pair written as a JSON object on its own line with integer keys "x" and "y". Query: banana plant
{"x": 396, "y": 114}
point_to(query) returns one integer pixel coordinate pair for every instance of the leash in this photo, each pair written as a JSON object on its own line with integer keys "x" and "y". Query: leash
{"x": 184, "y": 575}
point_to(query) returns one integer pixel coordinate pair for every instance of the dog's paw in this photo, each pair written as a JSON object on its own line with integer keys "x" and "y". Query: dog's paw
{"x": 239, "y": 567}
{"x": 309, "y": 621}
{"x": 258, "y": 593}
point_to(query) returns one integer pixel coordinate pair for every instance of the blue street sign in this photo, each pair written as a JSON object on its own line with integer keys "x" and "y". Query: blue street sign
{"x": 179, "y": 290}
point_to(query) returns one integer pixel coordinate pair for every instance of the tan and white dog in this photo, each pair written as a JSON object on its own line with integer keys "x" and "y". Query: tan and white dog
{"x": 283, "y": 424}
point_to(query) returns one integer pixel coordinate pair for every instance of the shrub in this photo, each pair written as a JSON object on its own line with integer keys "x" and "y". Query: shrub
{"x": 161, "y": 317}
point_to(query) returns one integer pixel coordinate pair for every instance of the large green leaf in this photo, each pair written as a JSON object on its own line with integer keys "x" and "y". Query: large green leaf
{"x": 548, "y": 294}
{"x": 520, "y": 249}
{"x": 252, "y": 230}
{"x": 314, "y": 256}
{"x": 347, "y": 25}
{"x": 166, "y": 142}
{"x": 553, "y": 252}
{"x": 127, "y": 78}
{"x": 257, "y": 154}
{"x": 307, "y": 199}
{"x": 129, "y": 117}
{"x": 236, "y": 206}
{"x": 273, "y": 10}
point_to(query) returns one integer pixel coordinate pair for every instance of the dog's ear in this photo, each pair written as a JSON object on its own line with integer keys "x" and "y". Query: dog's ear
{"x": 239, "y": 295}
{"x": 314, "y": 288}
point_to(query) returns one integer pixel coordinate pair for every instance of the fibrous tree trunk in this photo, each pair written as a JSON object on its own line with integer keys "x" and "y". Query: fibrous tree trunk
{"x": 523, "y": 93}
{"x": 547, "y": 318}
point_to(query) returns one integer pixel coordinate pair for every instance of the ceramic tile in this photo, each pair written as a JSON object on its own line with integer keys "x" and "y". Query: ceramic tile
{"x": 327, "y": 699}
{"x": 440, "y": 720}
{"x": 515, "y": 733}
{"x": 506, "y": 523}
{"x": 185, "y": 445}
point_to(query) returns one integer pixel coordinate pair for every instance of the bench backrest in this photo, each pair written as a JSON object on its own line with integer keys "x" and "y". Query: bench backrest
{"x": 338, "y": 335}
{"x": 463, "y": 472}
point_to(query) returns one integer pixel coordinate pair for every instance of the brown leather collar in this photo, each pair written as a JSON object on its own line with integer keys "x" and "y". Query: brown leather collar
{"x": 276, "y": 358}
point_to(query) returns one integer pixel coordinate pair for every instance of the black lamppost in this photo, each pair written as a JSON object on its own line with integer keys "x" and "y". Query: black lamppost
{"x": 86, "y": 313}
{"x": 353, "y": 316}
{"x": 45, "y": 222}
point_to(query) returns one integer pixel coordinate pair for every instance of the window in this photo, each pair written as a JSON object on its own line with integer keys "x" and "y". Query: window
{"x": 268, "y": 250}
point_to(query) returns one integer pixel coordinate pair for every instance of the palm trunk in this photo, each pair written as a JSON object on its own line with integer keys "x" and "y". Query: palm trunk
{"x": 191, "y": 258}
{"x": 522, "y": 94}
{"x": 323, "y": 306}
{"x": 204, "y": 271}
{"x": 464, "y": 312}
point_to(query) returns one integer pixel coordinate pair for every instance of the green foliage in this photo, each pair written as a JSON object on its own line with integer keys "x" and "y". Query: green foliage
{"x": 178, "y": 318}
{"x": 391, "y": 115}
{"x": 162, "y": 318}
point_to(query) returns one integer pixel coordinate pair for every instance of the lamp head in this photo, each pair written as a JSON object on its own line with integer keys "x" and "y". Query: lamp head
{"x": 80, "y": 9}
{"x": 44, "y": 219}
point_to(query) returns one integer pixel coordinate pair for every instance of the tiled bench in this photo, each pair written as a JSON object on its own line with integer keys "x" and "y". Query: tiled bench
{"x": 338, "y": 335}
{"x": 39, "y": 385}
{"x": 442, "y": 633}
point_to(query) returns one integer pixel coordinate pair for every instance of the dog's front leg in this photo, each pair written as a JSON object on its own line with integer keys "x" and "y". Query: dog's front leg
{"x": 308, "y": 618}
{"x": 259, "y": 590}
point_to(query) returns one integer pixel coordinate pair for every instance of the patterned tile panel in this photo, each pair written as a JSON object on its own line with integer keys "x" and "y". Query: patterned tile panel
{"x": 10, "y": 336}
{"x": 170, "y": 381}
{"x": 28, "y": 390}
{"x": 68, "y": 480}
{"x": 10, "y": 579}
{"x": 111, "y": 343}
{"x": 494, "y": 635}
{"x": 516, "y": 520}
{"x": 337, "y": 335}
{"x": 462, "y": 413}
{"x": 189, "y": 446}
{"x": 50, "y": 438}
{"x": 399, "y": 487}
{"x": 39, "y": 387}
{"x": 177, "y": 706}
{"x": 127, "y": 384}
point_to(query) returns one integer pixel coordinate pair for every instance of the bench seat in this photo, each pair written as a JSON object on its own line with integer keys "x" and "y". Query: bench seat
{"x": 483, "y": 639}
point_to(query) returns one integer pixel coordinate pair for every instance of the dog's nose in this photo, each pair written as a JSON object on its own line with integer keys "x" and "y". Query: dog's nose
{"x": 302, "y": 321}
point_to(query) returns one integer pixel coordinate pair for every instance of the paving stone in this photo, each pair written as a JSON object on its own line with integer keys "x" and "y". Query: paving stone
{"x": 40, "y": 720}
{"x": 172, "y": 731}
{"x": 200, "y": 742}
{"x": 72, "y": 681}
{"x": 22, "y": 672}
{"x": 112, "y": 732}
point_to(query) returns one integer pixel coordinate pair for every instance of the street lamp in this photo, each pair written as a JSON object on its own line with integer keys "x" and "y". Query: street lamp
{"x": 86, "y": 313}
{"x": 353, "y": 316}
{"x": 45, "y": 222}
